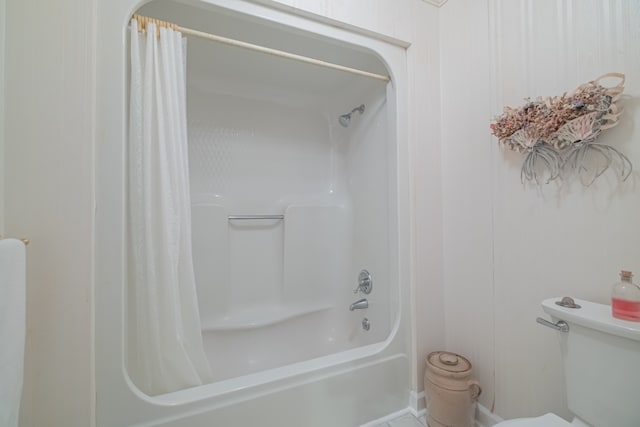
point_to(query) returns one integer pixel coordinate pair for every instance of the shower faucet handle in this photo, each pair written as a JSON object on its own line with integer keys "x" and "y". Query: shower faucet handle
{"x": 365, "y": 283}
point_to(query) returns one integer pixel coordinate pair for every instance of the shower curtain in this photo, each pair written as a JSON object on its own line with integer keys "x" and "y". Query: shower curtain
{"x": 165, "y": 349}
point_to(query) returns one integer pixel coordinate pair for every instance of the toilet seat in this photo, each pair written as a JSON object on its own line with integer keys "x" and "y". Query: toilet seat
{"x": 546, "y": 420}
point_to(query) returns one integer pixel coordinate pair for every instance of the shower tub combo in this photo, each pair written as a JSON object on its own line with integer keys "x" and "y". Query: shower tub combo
{"x": 299, "y": 196}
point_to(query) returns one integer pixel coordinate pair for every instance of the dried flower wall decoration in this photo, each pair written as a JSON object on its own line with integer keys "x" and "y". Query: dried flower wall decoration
{"x": 559, "y": 133}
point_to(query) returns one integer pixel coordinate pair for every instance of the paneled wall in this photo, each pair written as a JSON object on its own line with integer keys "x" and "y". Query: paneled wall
{"x": 3, "y": 7}
{"x": 487, "y": 249}
{"x": 507, "y": 246}
{"x": 48, "y": 170}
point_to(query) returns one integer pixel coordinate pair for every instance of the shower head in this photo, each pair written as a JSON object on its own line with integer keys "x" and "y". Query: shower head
{"x": 345, "y": 119}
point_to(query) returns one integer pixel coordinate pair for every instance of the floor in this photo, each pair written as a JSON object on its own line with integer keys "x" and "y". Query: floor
{"x": 407, "y": 420}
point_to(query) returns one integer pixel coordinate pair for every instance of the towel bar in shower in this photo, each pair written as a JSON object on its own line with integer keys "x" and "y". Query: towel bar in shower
{"x": 243, "y": 217}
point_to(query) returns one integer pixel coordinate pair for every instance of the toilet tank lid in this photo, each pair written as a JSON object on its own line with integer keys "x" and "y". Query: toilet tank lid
{"x": 593, "y": 315}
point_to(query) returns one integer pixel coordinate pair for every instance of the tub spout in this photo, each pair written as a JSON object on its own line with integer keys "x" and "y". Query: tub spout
{"x": 361, "y": 304}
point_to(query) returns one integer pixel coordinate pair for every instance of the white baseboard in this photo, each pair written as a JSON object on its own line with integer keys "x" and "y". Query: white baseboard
{"x": 417, "y": 408}
{"x": 484, "y": 417}
{"x": 417, "y": 404}
{"x": 386, "y": 418}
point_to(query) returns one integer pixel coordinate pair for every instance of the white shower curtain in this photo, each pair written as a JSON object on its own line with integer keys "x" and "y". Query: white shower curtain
{"x": 166, "y": 352}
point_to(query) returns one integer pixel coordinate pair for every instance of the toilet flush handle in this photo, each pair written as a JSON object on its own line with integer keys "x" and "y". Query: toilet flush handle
{"x": 561, "y": 325}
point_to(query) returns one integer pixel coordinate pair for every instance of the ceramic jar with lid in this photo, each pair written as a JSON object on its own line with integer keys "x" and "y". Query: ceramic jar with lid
{"x": 451, "y": 393}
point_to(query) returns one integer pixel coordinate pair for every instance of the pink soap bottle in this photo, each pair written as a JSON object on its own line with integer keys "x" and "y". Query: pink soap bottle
{"x": 625, "y": 298}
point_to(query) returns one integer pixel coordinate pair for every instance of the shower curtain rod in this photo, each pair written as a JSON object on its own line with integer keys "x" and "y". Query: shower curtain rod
{"x": 143, "y": 20}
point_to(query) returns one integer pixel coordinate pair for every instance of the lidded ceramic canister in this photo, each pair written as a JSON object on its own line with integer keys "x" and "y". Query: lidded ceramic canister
{"x": 451, "y": 393}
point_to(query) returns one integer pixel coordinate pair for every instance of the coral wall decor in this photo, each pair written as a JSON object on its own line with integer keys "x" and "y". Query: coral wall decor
{"x": 559, "y": 133}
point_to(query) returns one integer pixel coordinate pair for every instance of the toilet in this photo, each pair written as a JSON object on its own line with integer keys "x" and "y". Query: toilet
{"x": 601, "y": 358}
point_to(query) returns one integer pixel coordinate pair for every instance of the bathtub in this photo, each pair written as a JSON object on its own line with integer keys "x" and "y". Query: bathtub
{"x": 325, "y": 202}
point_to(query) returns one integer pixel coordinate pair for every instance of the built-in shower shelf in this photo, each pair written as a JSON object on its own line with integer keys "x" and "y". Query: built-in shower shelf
{"x": 258, "y": 317}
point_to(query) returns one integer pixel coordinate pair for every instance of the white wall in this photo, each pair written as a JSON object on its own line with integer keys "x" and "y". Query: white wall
{"x": 3, "y": 14}
{"x": 466, "y": 183}
{"x": 497, "y": 246}
{"x": 48, "y": 169}
{"x": 509, "y": 246}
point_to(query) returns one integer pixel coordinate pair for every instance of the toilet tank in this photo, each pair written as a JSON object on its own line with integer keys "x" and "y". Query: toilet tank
{"x": 601, "y": 363}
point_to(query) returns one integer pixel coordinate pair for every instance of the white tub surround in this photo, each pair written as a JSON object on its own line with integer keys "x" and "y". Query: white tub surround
{"x": 289, "y": 203}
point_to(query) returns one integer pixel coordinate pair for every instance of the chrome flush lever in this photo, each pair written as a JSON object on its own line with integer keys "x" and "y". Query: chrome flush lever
{"x": 364, "y": 283}
{"x": 561, "y": 325}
